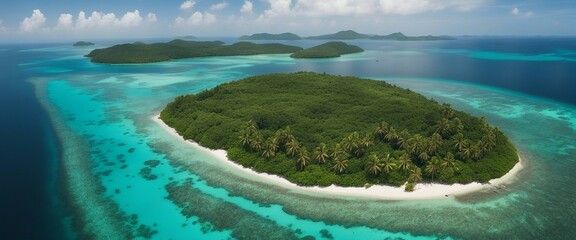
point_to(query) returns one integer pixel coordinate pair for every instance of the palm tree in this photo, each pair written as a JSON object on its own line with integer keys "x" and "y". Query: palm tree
{"x": 292, "y": 147}
{"x": 303, "y": 158}
{"x": 457, "y": 125}
{"x": 367, "y": 141}
{"x": 404, "y": 139}
{"x": 374, "y": 164}
{"x": 381, "y": 130}
{"x": 415, "y": 175}
{"x": 257, "y": 142}
{"x": 391, "y": 135}
{"x": 404, "y": 162}
{"x": 321, "y": 153}
{"x": 459, "y": 141}
{"x": 467, "y": 150}
{"x": 443, "y": 127}
{"x": 434, "y": 143}
{"x": 245, "y": 138}
{"x": 340, "y": 164}
{"x": 449, "y": 162}
{"x": 477, "y": 150}
{"x": 424, "y": 156}
{"x": 351, "y": 143}
{"x": 416, "y": 144}
{"x": 447, "y": 111}
{"x": 433, "y": 166}
{"x": 336, "y": 152}
{"x": 269, "y": 149}
{"x": 388, "y": 164}
{"x": 250, "y": 126}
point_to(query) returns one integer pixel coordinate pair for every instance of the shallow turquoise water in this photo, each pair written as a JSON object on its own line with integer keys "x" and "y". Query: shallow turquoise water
{"x": 108, "y": 109}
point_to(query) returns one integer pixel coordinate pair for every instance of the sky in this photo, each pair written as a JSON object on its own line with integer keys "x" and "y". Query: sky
{"x": 64, "y": 20}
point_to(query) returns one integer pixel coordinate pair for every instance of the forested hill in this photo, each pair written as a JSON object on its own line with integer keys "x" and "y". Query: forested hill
{"x": 316, "y": 129}
{"x": 176, "y": 49}
{"x": 327, "y": 50}
{"x": 269, "y": 36}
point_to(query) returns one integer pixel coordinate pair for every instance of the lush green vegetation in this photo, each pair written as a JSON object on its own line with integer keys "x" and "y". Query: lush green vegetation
{"x": 158, "y": 52}
{"x": 327, "y": 50}
{"x": 352, "y": 35}
{"x": 82, "y": 43}
{"x": 268, "y": 36}
{"x": 342, "y": 35}
{"x": 317, "y": 129}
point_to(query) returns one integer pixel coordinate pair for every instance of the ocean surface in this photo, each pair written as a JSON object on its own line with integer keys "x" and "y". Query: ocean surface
{"x": 81, "y": 156}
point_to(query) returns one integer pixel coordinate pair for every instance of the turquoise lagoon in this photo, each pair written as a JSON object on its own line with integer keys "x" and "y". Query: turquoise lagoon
{"x": 102, "y": 115}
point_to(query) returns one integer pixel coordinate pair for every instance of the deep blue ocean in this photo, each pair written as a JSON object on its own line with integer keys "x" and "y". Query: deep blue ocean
{"x": 75, "y": 138}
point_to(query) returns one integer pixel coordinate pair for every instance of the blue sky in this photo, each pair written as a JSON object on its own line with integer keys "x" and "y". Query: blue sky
{"x": 53, "y": 20}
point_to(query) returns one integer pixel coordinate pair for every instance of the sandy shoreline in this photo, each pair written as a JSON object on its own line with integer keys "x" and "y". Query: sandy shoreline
{"x": 421, "y": 191}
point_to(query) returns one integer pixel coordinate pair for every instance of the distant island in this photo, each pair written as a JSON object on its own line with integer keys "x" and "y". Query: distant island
{"x": 352, "y": 35}
{"x": 268, "y": 36}
{"x": 177, "y": 49}
{"x": 82, "y": 43}
{"x": 187, "y": 37}
{"x": 317, "y": 130}
{"x": 327, "y": 50}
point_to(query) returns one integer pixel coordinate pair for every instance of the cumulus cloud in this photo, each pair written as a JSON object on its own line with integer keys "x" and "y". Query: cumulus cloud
{"x": 246, "y": 7}
{"x": 130, "y": 19}
{"x": 323, "y": 8}
{"x": 151, "y": 17}
{"x": 99, "y": 20}
{"x": 197, "y": 18}
{"x": 34, "y": 22}
{"x": 65, "y": 21}
{"x": 187, "y": 5}
{"x": 219, "y": 6}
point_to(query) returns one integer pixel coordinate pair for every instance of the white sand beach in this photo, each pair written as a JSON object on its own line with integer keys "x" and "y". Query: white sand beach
{"x": 421, "y": 190}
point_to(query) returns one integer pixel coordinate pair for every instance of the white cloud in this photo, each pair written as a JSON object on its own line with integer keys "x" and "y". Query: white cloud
{"x": 99, "y": 20}
{"x": 529, "y": 14}
{"x": 130, "y": 19}
{"x": 515, "y": 11}
{"x": 279, "y": 8}
{"x": 95, "y": 20}
{"x": 196, "y": 19}
{"x": 65, "y": 21}
{"x": 219, "y": 6}
{"x": 336, "y": 7}
{"x": 247, "y": 7}
{"x": 323, "y": 8}
{"x": 151, "y": 17}
{"x": 187, "y": 5}
{"x": 34, "y": 22}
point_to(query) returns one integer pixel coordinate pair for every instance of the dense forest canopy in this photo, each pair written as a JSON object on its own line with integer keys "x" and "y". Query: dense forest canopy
{"x": 317, "y": 129}
{"x": 269, "y": 36}
{"x": 176, "y": 49}
{"x": 327, "y": 50}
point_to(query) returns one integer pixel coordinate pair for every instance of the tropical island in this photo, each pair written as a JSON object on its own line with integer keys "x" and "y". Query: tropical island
{"x": 327, "y": 50}
{"x": 82, "y": 43}
{"x": 268, "y": 36}
{"x": 352, "y": 35}
{"x": 318, "y": 130}
{"x": 177, "y": 49}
